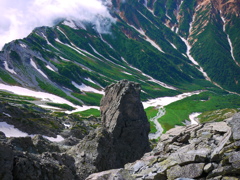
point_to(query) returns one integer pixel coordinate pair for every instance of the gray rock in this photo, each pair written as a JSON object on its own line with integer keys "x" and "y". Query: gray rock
{"x": 47, "y": 166}
{"x": 234, "y": 159}
{"x": 6, "y": 162}
{"x": 2, "y": 136}
{"x": 188, "y": 171}
{"x": 183, "y": 151}
{"x": 208, "y": 167}
{"x": 43, "y": 145}
{"x": 115, "y": 174}
{"x": 235, "y": 125}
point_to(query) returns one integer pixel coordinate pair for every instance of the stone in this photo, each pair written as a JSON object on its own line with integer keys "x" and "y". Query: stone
{"x": 124, "y": 117}
{"x": 46, "y": 166}
{"x": 188, "y": 171}
{"x": 208, "y": 167}
{"x": 43, "y": 145}
{"x": 2, "y": 136}
{"x": 235, "y": 125}
{"x": 6, "y": 162}
{"x": 234, "y": 159}
{"x": 115, "y": 174}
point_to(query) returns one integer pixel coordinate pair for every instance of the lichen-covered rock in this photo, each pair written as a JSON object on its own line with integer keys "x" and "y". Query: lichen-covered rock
{"x": 116, "y": 174}
{"x": 235, "y": 125}
{"x": 193, "y": 170}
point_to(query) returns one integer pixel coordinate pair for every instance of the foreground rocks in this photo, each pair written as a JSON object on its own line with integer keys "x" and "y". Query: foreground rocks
{"x": 208, "y": 151}
{"x": 122, "y": 138}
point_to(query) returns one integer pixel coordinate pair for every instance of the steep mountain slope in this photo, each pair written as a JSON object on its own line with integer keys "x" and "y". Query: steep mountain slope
{"x": 168, "y": 46}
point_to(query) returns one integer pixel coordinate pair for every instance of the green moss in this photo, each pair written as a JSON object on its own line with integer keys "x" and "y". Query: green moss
{"x": 89, "y": 98}
{"x": 15, "y": 56}
{"x": 151, "y": 112}
{"x": 217, "y": 115}
{"x": 62, "y": 106}
{"x": 89, "y": 112}
{"x": 7, "y": 78}
{"x": 179, "y": 111}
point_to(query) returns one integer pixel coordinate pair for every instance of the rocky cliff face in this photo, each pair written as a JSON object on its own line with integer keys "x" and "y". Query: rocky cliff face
{"x": 208, "y": 151}
{"x": 124, "y": 118}
{"x": 123, "y": 137}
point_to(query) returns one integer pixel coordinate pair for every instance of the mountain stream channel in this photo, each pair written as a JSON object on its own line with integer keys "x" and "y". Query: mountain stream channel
{"x": 164, "y": 101}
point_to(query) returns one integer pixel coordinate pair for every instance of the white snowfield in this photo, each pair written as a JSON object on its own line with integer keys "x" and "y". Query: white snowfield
{"x": 84, "y": 87}
{"x": 11, "y": 131}
{"x": 8, "y": 69}
{"x": 164, "y": 101}
{"x": 39, "y": 70}
{"x": 44, "y": 97}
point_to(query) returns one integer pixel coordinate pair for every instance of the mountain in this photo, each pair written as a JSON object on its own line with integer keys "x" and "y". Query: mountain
{"x": 169, "y": 47}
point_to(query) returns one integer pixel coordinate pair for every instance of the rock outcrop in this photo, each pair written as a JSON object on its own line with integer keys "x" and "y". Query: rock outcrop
{"x": 208, "y": 151}
{"x": 123, "y": 137}
{"x": 37, "y": 158}
{"x": 124, "y": 118}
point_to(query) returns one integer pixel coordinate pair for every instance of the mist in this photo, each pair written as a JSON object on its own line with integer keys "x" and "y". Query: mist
{"x": 19, "y": 17}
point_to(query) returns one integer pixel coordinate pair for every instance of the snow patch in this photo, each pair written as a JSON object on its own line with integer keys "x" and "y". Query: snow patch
{"x": 39, "y": 70}
{"x": 49, "y": 107}
{"x": 148, "y": 39}
{"x": 151, "y": 78}
{"x": 127, "y": 73}
{"x": 173, "y": 45}
{"x": 229, "y": 40}
{"x": 11, "y": 131}
{"x": 45, "y": 97}
{"x": 193, "y": 60}
{"x": 193, "y": 117}
{"x": 147, "y": 19}
{"x": 8, "y": 69}
{"x": 70, "y": 24}
{"x": 106, "y": 42}
{"x": 168, "y": 17}
{"x": 86, "y": 88}
{"x": 90, "y": 80}
{"x": 50, "y": 68}
{"x": 57, "y": 40}
{"x": 49, "y": 42}
{"x": 164, "y": 101}
{"x": 23, "y": 45}
{"x": 6, "y": 114}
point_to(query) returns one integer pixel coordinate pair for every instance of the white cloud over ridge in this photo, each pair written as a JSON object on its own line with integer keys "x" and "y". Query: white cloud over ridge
{"x": 19, "y": 17}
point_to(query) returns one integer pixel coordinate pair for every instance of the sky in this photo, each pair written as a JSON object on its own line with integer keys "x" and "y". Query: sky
{"x": 19, "y": 17}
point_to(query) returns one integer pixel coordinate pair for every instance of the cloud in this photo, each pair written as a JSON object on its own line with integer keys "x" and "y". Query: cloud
{"x": 19, "y": 17}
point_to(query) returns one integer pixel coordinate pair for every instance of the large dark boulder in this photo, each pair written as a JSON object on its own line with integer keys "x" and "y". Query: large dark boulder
{"x": 123, "y": 136}
{"x": 124, "y": 118}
